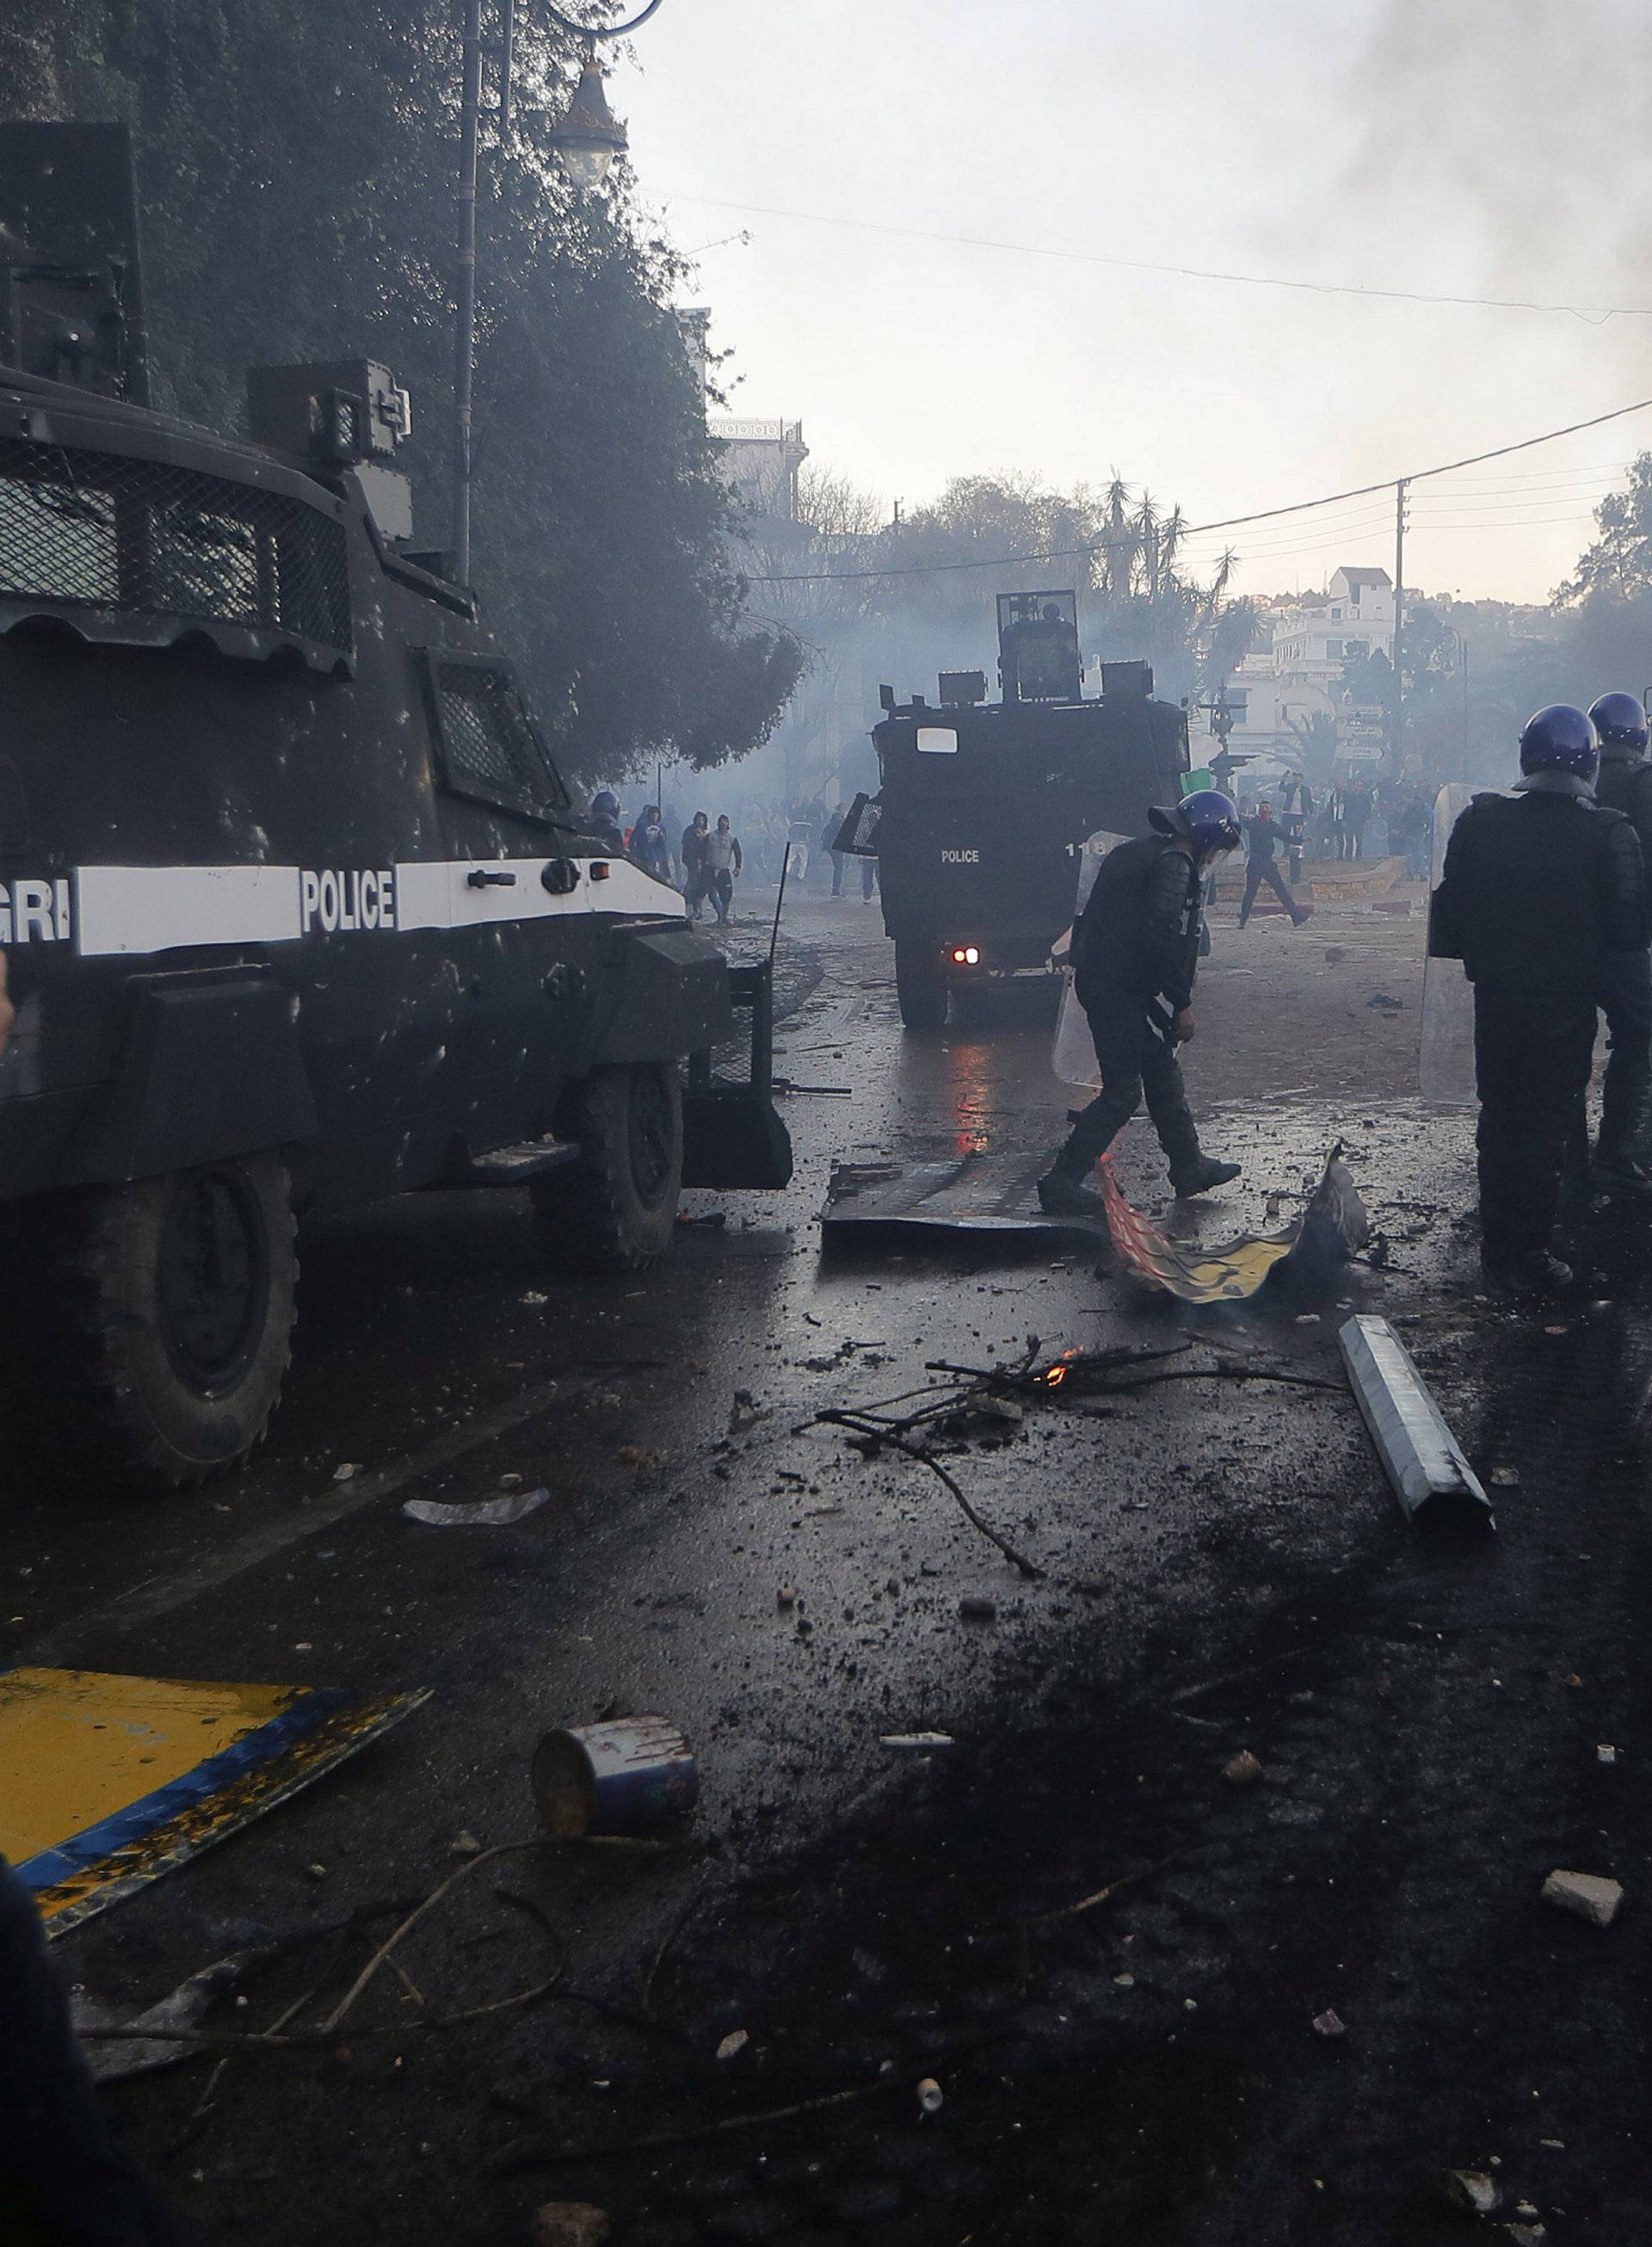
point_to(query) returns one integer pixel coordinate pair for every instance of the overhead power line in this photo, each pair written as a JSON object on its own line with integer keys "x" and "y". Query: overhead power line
{"x": 1192, "y": 529}
{"x": 1597, "y": 314}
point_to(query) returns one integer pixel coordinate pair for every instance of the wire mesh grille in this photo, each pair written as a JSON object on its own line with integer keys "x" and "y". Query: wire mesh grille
{"x": 106, "y": 530}
{"x": 489, "y": 741}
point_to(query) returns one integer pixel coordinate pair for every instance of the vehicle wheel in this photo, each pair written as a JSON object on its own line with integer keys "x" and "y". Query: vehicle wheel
{"x": 613, "y": 1210}
{"x": 158, "y": 1325}
{"x": 920, "y": 988}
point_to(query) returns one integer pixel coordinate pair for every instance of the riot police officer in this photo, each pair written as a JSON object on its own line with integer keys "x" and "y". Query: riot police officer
{"x": 1625, "y": 783}
{"x": 1134, "y": 954}
{"x": 1540, "y": 891}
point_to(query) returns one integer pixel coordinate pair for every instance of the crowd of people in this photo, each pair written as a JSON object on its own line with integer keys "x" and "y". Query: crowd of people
{"x": 1351, "y": 818}
{"x": 709, "y": 858}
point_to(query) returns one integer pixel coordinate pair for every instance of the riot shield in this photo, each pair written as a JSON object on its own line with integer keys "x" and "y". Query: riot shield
{"x": 1073, "y": 1056}
{"x": 1446, "y": 1059}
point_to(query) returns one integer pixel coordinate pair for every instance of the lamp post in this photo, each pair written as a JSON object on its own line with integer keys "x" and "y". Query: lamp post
{"x": 587, "y": 140}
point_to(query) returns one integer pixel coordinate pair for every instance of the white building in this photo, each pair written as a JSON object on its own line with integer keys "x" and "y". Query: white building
{"x": 1297, "y": 677}
{"x": 762, "y": 460}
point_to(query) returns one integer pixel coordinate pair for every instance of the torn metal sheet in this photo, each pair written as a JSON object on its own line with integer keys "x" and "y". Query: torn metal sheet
{"x": 111, "y": 1781}
{"x": 1330, "y": 1229}
{"x": 972, "y": 1194}
{"x": 1431, "y": 1478}
{"x": 479, "y": 1513}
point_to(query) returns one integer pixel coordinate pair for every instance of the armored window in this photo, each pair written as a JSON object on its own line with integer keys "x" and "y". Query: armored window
{"x": 488, "y": 747}
{"x": 140, "y": 549}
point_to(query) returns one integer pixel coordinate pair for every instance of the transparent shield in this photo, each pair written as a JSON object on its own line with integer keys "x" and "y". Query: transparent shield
{"x": 1073, "y": 1056}
{"x": 1446, "y": 1059}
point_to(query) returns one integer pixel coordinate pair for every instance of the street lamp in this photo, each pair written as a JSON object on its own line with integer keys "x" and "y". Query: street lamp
{"x": 587, "y": 140}
{"x": 590, "y": 136}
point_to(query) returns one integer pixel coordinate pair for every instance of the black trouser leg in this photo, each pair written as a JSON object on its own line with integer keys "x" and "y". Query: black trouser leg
{"x": 1133, "y": 1059}
{"x": 1253, "y": 883}
{"x": 1531, "y": 1055}
{"x": 838, "y": 873}
{"x": 1120, "y": 1031}
{"x": 62, "y": 2179}
{"x": 1626, "y": 999}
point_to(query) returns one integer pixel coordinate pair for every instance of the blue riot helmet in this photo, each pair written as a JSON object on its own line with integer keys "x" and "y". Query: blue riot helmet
{"x": 604, "y": 805}
{"x": 1621, "y": 722}
{"x": 1207, "y": 819}
{"x": 1560, "y": 739}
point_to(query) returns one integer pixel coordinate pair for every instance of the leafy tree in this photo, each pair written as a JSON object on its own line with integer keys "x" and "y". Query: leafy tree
{"x": 872, "y": 600}
{"x": 294, "y": 161}
{"x": 1617, "y": 567}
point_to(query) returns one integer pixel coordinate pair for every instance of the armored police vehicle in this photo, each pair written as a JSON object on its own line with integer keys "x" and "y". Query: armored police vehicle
{"x": 297, "y": 908}
{"x": 983, "y": 806}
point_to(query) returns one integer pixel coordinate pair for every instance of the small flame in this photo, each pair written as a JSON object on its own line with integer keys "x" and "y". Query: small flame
{"x": 1055, "y": 1377}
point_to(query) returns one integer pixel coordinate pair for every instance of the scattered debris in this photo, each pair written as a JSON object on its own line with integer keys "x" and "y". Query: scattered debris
{"x": 1333, "y": 1227}
{"x": 1504, "y": 1478}
{"x": 921, "y": 1742}
{"x": 787, "y": 1595}
{"x": 510, "y": 1481}
{"x": 1328, "y": 2024}
{"x": 186, "y": 2008}
{"x": 345, "y": 1473}
{"x": 733, "y": 2044}
{"x": 1243, "y": 1769}
{"x": 484, "y": 1513}
{"x": 1382, "y": 1001}
{"x": 1424, "y": 1462}
{"x": 1606, "y": 1754}
{"x": 89, "y": 1825}
{"x": 570, "y": 2223}
{"x": 1586, "y": 1895}
{"x": 1527, "y": 2235}
{"x": 745, "y": 1412}
{"x": 975, "y": 1608}
{"x": 1470, "y": 2192}
{"x": 465, "y": 1845}
{"x": 931, "y": 2097}
{"x": 612, "y": 1778}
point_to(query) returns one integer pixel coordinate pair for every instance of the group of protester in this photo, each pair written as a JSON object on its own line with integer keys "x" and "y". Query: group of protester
{"x": 705, "y": 866}
{"x": 707, "y": 860}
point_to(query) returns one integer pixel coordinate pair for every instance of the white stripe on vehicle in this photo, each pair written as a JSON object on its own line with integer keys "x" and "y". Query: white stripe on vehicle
{"x": 136, "y": 910}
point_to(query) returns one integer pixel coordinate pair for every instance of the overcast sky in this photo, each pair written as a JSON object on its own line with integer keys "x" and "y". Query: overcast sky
{"x": 1455, "y": 147}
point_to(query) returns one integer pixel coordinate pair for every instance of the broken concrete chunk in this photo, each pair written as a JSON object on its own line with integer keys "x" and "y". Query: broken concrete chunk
{"x": 1328, "y": 2024}
{"x": 570, "y": 2223}
{"x": 1243, "y": 1769}
{"x": 734, "y": 2044}
{"x": 1586, "y": 1895}
{"x": 1471, "y": 2192}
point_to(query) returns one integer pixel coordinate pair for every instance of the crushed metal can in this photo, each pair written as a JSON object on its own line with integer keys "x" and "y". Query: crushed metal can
{"x": 614, "y": 1777}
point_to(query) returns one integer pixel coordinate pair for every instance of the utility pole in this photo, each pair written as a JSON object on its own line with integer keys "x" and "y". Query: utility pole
{"x": 465, "y": 331}
{"x": 1396, "y": 714}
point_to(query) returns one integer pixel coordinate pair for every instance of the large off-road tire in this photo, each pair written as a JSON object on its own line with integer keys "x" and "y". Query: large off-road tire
{"x": 920, "y": 987}
{"x": 614, "y": 1209}
{"x": 152, "y": 1326}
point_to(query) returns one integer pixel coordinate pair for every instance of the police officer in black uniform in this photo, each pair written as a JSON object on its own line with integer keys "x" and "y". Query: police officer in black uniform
{"x": 1625, "y": 783}
{"x": 1540, "y": 891}
{"x": 1135, "y": 953}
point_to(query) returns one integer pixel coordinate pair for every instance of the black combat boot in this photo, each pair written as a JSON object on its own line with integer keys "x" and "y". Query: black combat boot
{"x": 1062, "y": 1194}
{"x": 1199, "y": 1175}
{"x": 1531, "y": 1272}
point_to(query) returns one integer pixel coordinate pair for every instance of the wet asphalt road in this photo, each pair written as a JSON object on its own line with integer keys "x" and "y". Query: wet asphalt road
{"x": 1223, "y": 1567}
